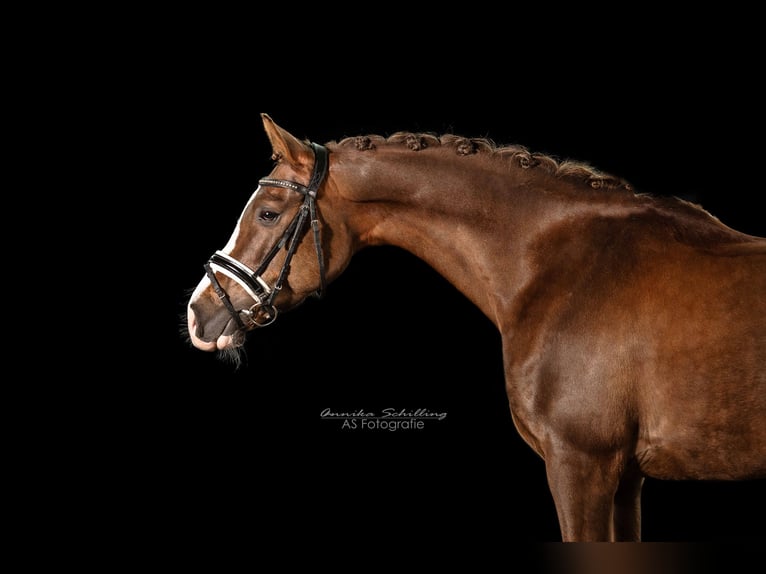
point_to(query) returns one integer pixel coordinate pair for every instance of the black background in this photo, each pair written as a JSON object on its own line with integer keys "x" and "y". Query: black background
{"x": 224, "y": 445}
{"x": 143, "y": 142}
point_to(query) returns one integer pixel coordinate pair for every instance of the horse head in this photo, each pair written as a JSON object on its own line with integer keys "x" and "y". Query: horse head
{"x": 281, "y": 251}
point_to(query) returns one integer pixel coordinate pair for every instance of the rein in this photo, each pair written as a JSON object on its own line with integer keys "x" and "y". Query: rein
{"x": 251, "y": 280}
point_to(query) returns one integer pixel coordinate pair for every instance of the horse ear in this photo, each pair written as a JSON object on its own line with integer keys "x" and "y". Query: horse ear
{"x": 285, "y": 145}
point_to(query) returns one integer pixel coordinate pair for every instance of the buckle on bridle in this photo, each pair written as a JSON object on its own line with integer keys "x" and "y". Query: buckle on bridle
{"x": 268, "y": 312}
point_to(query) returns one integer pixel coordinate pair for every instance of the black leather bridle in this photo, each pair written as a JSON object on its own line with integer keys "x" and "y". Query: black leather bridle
{"x": 251, "y": 281}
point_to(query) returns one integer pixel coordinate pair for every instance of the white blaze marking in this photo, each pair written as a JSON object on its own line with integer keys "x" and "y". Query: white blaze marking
{"x": 233, "y": 240}
{"x": 205, "y": 283}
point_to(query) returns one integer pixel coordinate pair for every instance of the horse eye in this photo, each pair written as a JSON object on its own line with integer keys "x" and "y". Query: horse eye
{"x": 268, "y": 216}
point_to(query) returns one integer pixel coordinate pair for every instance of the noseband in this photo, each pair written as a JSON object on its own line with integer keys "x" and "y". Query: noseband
{"x": 252, "y": 281}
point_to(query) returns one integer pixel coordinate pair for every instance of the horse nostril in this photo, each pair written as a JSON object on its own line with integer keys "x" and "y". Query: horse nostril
{"x": 195, "y": 327}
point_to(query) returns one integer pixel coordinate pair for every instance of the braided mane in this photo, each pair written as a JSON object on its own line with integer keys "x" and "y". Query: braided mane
{"x": 517, "y": 155}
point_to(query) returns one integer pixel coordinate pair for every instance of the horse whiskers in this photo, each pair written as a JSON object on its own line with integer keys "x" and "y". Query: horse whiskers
{"x": 234, "y": 356}
{"x": 183, "y": 327}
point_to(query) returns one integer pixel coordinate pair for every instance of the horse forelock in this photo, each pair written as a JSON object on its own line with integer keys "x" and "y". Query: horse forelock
{"x": 517, "y": 156}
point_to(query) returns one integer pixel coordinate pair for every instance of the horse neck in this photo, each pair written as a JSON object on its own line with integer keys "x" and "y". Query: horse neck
{"x": 469, "y": 219}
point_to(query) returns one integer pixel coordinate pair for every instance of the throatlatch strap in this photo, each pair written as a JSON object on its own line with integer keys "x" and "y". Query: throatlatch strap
{"x": 320, "y": 252}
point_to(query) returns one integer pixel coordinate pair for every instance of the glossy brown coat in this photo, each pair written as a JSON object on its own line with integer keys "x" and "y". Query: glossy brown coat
{"x": 633, "y": 327}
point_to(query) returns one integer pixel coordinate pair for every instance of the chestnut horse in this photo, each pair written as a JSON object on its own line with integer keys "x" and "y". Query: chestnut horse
{"x": 633, "y": 327}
